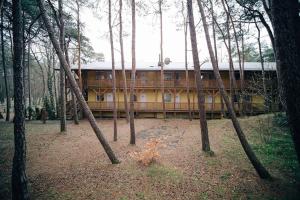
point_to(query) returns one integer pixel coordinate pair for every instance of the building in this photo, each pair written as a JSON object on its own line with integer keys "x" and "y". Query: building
{"x": 97, "y": 89}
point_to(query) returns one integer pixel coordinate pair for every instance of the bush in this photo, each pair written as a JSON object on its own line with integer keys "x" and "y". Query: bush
{"x": 150, "y": 154}
{"x": 280, "y": 120}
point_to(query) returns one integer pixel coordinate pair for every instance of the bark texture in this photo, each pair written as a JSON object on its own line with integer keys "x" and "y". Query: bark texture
{"x": 63, "y": 118}
{"x": 113, "y": 71}
{"x": 286, "y": 24}
{"x": 18, "y": 178}
{"x": 162, "y": 77}
{"x": 133, "y": 70}
{"x": 123, "y": 61}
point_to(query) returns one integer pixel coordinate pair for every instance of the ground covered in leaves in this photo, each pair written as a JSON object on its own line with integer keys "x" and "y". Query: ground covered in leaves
{"x": 73, "y": 165}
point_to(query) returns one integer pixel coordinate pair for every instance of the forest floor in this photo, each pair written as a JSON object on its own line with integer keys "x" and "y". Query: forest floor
{"x": 73, "y": 165}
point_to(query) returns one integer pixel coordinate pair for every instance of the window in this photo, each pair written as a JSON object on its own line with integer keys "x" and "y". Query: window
{"x": 177, "y": 76}
{"x": 99, "y": 97}
{"x": 236, "y": 98}
{"x": 247, "y": 98}
{"x": 168, "y": 76}
{"x": 109, "y": 76}
{"x": 98, "y": 75}
{"x": 209, "y": 99}
{"x": 168, "y": 97}
{"x": 134, "y": 98}
{"x": 237, "y": 75}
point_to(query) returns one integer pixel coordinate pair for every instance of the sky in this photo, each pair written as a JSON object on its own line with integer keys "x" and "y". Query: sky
{"x": 147, "y": 36}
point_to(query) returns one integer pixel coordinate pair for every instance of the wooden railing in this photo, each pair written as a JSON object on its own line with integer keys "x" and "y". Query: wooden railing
{"x": 140, "y": 83}
{"x": 172, "y": 107}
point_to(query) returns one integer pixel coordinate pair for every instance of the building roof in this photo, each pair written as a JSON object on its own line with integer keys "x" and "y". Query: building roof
{"x": 152, "y": 66}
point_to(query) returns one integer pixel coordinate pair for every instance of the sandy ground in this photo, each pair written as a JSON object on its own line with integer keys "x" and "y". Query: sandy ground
{"x": 74, "y": 165}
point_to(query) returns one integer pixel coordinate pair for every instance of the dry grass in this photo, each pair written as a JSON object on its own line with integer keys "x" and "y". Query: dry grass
{"x": 74, "y": 165}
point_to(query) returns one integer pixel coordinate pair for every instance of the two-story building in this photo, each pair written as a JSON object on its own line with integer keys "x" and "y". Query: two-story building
{"x": 97, "y": 88}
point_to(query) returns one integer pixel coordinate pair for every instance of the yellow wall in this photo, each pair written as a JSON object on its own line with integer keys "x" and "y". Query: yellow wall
{"x": 154, "y": 95}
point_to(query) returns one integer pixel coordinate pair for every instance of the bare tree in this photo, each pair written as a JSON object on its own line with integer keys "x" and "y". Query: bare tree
{"x": 5, "y": 72}
{"x": 79, "y": 43}
{"x": 215, "y": 48}
{"x": 262, "y": 64}
{"x": 18, "y": 178}
{"x": 74, "y": 102}
{"x": 74, "y": 86}
{"x": 262, "y": 172}
{"x": 123, "y": 61}
{"x": 161, "y": 62}
{"x": 185, "y": 27}
{"x": 133, "y": 71}
{"x": 113, "y": 71}
{"x": 200, "y": 91}
{"x": 63, "y": 118}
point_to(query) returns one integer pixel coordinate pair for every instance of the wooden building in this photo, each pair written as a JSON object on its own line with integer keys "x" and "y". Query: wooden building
{"x": 97, "y": 89}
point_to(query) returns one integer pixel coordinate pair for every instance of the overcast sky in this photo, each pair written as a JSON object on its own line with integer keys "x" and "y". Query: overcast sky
{"x": 147, "y": 37}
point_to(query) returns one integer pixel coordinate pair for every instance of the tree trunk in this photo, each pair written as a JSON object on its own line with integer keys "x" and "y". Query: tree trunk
{"x": 262, "y": 67}
{"x": 132, "y": 82}
{"x": 63, "y": 118}
{"x": 113, "y": 71}
{"x": 5, "y": 73}
{"x": 200, "y": 91}
{"x": 79, "y": 44}
{"x": 28, "y": 76}
{"x": 123, "y": 62}
{"x": 184, "y": 15}
{"x": 74, "y": 103}
{"x": 42, "y": 73}
{"x": 18, "y": 178}
{"x": 263, "y": 173}
{"x": 162, "y": 77}
{"x": 285, "y": 15}
{"x": 216, "y": 51}
{"x": 23, "y": 61}
{"x": 75, "y": 87}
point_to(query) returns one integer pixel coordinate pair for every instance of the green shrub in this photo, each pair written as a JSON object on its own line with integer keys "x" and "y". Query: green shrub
{"x": 280, "y": 120}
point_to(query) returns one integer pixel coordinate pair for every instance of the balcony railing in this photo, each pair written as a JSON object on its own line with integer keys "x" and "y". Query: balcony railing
{"x": 171, "y": 107}
{"x": 140, "y": 83}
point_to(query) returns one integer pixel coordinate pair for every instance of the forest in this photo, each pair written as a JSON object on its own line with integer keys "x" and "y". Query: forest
{"x": 158, "y": 99}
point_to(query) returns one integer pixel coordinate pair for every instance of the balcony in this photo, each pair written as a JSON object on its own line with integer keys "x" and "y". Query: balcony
{"x": 140, "y": 83}
{"x": 170, "y": 107}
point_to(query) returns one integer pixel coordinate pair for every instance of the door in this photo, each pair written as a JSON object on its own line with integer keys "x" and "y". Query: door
{"x": 177, "y": 101}
{"x": 143, "y": 101}
{"x": 109, "y": 100}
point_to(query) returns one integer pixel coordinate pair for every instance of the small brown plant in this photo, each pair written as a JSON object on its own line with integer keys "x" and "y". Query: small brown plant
{"x": 150, "y": 153}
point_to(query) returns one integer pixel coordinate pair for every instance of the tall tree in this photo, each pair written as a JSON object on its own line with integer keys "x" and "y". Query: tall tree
{"x": 63, "y": 118}
{"x": 88, "y": 113}
{"x": 161, "y": 62}
{"x": 185, "y": 27}
{"x": 18, "y": 178}
{"x": 262, "y": 172}
{"x": 7, "y": 94}
{"x": 113, "y": 71}
{"x": 215, "y": 48}
{"x": 123, "y": 61}
{"x": 133, "y": 71}
{"x": 79, "y": 43}
{"x": 286, "y": 24}
{"x": 74, "y": 102}
{"x": 261, "y": 58}
{"x": 199, "y": 84}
